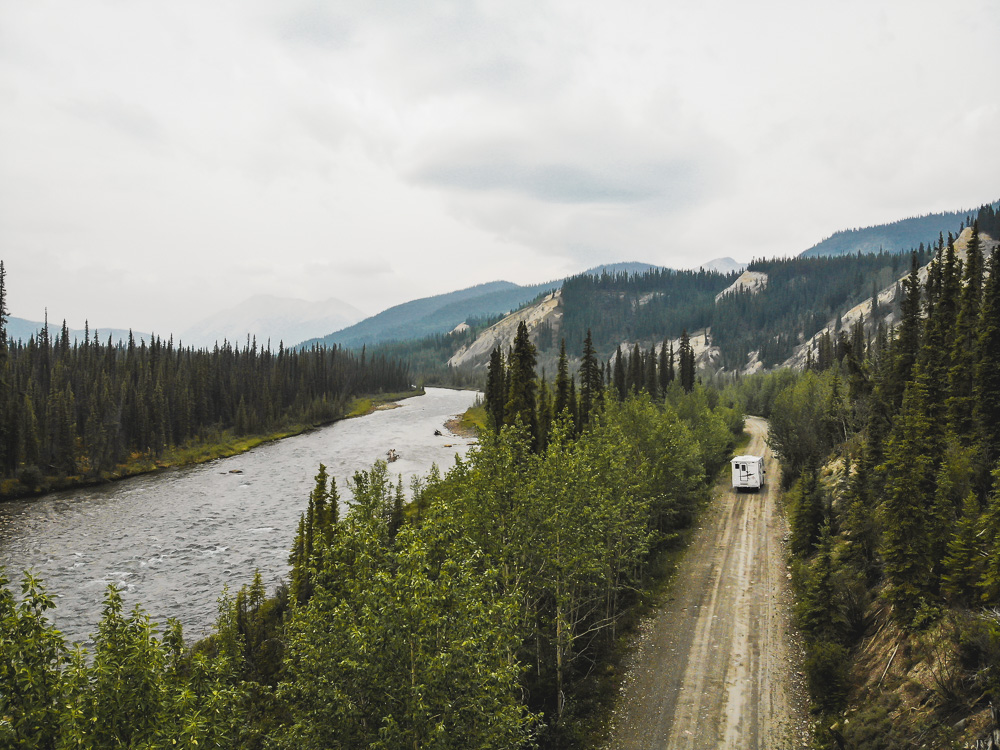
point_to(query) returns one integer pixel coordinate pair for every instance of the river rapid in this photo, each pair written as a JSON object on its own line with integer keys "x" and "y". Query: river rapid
{"x": 173, "y": 539}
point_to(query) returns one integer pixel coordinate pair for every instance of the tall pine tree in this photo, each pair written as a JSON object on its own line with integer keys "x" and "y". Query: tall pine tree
{"x": 591, "y": 380}
{"x": 686, "y": 362}
{"x": 521, "y": 386}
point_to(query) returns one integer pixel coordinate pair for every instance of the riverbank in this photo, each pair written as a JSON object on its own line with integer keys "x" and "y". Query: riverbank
{"x": 469, "y": 424}
{"x": 224, "y": 444}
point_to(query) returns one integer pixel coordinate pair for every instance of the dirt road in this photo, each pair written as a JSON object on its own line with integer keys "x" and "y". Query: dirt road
{"x": 717, "y": 666}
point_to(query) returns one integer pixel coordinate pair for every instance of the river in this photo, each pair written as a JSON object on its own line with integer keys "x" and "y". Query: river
{"x": 173, "y": 539}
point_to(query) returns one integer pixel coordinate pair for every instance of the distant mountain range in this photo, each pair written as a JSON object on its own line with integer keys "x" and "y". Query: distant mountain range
{"x": 895, "y": 237}
{"x": 438, "y": 314}
{"x": 723, "y": 266}
{"x": 332, "y": 322}
{"x": 442, "y": 313}
{"x": 275, "y": 319}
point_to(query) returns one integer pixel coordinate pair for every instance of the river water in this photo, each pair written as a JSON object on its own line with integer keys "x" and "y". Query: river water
{"x": 172, "y": 540}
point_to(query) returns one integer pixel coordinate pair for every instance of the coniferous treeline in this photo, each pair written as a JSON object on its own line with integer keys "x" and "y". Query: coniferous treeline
{"x": 638, "y": 307}
{"x": 801, "y": 297}
{"x": 907, "y": 529}
{"x": 515, "y": 396}
{"x": 82, "y": 408}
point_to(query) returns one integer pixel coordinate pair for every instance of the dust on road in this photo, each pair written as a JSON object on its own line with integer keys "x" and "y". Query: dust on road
{"x": 719, "y": 665}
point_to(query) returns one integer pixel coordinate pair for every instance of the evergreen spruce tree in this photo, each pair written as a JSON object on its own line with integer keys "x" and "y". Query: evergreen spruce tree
{"x": 964, "y": 350}
{"x": 859, "y": 526}
{"x": 636, "y": 376}
{"x": 962, "y": 568}
{"x": 666, "y": 373}
{"x": 986, "y": 385}
{"x": 572, "y": 405}
{"x": 939, "y": 328}
{"x": 989, "y": 532}
{"x": 591, "y": 380}
{"x": 521, "y": 387}
{"x": 687, "y": 362}
{"x": 907, "y": 342}
{"x": 546, "y": 413}
{"x": 652, "y": 383}
{"x": 562, "y": 382}
{"x": 909, "y": 496}
{"x": 620, "y": 379}
{"x": 818, "y": 612}
{"x": 806, "y": 512}
{"x": 495, "y": 396}
{"x": 396, "y": 519}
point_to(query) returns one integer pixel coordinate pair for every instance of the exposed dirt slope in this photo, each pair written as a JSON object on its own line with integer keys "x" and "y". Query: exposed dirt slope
{"x": 502, "y": 333}
{"x": 886, "y": 297}
{"x": 752, "y": 280}
{"x": 718, "y": 665}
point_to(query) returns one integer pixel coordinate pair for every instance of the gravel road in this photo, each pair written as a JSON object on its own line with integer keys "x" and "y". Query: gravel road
{"x": 719, "y": 665}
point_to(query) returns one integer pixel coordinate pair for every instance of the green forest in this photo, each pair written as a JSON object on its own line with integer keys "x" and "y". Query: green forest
{"x": 892, "y": 455}
{"x": 481, "y": 614}
{"x": 76, "y": 411}
{"x": 490, "y": 610}
{"x": 802, "y": 296}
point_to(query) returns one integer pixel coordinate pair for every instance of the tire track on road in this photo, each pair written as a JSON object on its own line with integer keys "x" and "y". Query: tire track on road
{"x": 714, "y": 667}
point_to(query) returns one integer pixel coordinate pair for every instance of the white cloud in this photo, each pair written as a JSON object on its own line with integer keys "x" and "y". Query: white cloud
{"x": 163, "y": 161}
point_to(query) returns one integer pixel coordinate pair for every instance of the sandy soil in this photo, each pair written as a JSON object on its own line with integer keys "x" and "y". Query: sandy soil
{"x": 719, "y": 666}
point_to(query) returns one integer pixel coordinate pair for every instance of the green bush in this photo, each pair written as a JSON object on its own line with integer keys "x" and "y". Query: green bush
{"x": 826, "y": 672}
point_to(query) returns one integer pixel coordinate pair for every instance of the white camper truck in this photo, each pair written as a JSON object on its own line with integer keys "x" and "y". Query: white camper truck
{"x": 748, "y": 473}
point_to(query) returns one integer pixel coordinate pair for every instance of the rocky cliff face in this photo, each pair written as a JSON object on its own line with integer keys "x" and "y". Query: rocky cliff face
{"x": 477, "y": 354}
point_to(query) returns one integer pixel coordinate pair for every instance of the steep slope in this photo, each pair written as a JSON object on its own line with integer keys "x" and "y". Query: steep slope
{"x": 477, "y": 354}
{"x": 751, "y": 281}
{"x": 895, "y": 237}
{"x": 886, "y": 300}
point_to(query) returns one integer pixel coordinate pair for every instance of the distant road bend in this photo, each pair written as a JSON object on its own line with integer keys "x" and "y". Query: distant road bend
{"x": 714, "y": 667}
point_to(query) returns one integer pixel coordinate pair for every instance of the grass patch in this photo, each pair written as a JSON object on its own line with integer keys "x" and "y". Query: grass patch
{"x": 473, "y": 419}
{"x": 364, "y": 405}
{"x": 741, "y": 443}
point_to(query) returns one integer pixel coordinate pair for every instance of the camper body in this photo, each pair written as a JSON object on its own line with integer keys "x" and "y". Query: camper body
{"x": 748, "y": 473}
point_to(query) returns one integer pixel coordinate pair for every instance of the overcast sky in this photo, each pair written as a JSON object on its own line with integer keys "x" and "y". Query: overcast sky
{"x": 160, "y": 161}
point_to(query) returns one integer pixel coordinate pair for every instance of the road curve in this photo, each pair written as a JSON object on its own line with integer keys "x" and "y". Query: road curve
{"x": 716, "y": 666}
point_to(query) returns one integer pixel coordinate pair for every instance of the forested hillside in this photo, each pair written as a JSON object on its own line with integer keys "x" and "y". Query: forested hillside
{"x": 642, "y": 307}
{"x": 900, "y": 236}
{"x": 893, "y": 457}
{"x": 480, "y": 616}
{"x": 801, "y": 296}
{"x": 77, "y": 410}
